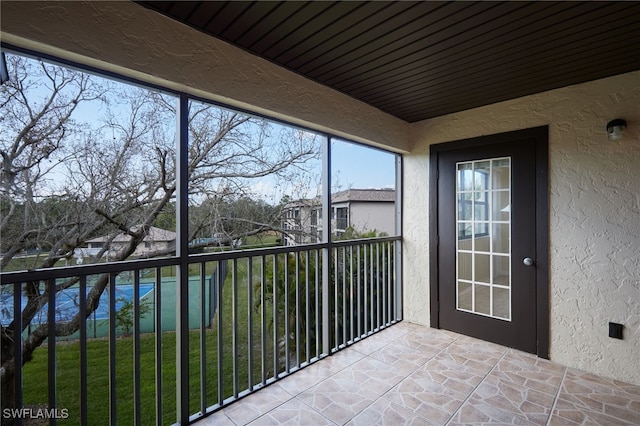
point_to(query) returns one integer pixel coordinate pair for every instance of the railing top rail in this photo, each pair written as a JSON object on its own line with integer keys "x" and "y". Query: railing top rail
{"x": 7, "y": 278}
{"x": 89, "y": 269}
{"x": 342, "y": 243}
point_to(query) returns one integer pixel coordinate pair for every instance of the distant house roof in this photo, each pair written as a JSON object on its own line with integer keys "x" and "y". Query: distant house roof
{"x": 384, "y": 195}
{"x": 154, "y": 234}
{"x": 362, "y": 195}
{"x": 304, "y": 202}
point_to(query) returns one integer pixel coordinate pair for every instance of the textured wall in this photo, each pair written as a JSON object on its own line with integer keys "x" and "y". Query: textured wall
{"x": 594, "y": 217}
{"x": 133, "y": 41}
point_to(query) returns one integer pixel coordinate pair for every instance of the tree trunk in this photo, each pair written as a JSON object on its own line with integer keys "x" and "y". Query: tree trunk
{"x": 7, "y": 390}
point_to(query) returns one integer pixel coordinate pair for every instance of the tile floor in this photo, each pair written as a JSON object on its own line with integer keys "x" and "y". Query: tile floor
{"x": 414, "y": 375}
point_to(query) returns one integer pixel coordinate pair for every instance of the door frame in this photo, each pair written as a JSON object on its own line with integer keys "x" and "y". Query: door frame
{"x": 539, "y": 136}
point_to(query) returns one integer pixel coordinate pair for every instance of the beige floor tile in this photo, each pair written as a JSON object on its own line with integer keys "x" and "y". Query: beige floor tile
{"x": 375, "y": 342}
{"x": 530, "y": 371}
{"x": 344, "y": 395}
{"x": 341, "y": 360}
{"x": 257, "y": 404}
{"x": 372, "y": 344}
{"x": 306, "y": 378}
{"x": 455, "y": 372}
{"x": 429, "y": 398}
{"x": 292, "y": 413}
{"x": 403, "y": 358}
{"x": 503, "y": 401}
{"x": 414, "y": 375}
{"x": 473, "y": 355}
{"x": 373, "y": 374}
{"x": 428, "y": 339}
{"x": 385, "y": 412}
{"x": 566, "y": 413}
{"x": 584, "y": 395}
{"x": 216, "y": 419}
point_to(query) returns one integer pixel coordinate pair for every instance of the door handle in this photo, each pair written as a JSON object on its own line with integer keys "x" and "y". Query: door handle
{"x": 528, "y": 261}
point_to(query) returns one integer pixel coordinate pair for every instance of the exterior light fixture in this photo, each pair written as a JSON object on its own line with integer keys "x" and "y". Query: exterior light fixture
{"x": 615, "y": 129}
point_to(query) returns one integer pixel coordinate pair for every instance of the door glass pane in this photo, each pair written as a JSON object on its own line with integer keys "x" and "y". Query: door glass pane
{"x": 501, "y": 306}
{"x": 465, "y": 206}
{"x": 465, "y": 296}
{"x": 481, "y": 268}
{"x": 501, "y": 237}
{"x": 465, "y": 240}
{"x": 481, "y": 237}
{"x": 465, "y": 177}
{"x": 483, "y": 299}
{"x": 483, "y": 256}
{"x": 481, "y": 205}
{"x": 501, "y": 208}
{"x": 501, "y": 173}
{"x": 500, "y": 270}
{"x": 465, "y": 267}
{"x": 481, "y": 172}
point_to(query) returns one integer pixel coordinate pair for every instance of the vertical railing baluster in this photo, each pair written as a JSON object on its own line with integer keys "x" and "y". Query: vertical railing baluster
{"x": 276, "y": 361}
{"x": 82, "y": 307}
{"x": 336, "y": 309}
{"x": 351, "y": 294}
{"x": 51, "y": 345}
{"x": 359, "y": 288}
{"x": 17, "y": 346}
{"x": 250, "y": 322}
{"x": 203, "y": 335}
{"x": 136, "y": 348}
{"x": 365, "y": 300}
{"x": 234, "y": 312}
{"x": 297, "y": 321}
{"x": 372, "y": 304}
{"x": 378, "y": 288}
{"x": 263, "y": 313}
{"x": 318, "y": 287}
{"x": 286, "y": 313}
{"x": 219, "y": 335}
{"x": 389, "y": 284}
{"x": 308, "y": 308}
{"x": 383, "y": 274}
{"x": 157, "y": 296}
{"x": 343, "y": 250}
{"x": 112, "y": 349}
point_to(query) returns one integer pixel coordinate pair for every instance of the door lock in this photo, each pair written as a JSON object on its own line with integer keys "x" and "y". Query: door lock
{"x": 527, "y": 261}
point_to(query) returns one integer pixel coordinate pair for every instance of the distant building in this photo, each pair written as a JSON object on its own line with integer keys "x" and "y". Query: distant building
{"x": 156, "y": 240}
{"x": 301, "y": 222}
{"x": 360, "y": 209}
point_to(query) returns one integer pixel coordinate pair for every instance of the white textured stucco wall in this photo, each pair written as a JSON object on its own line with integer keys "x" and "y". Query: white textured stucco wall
{"x": 133, "y": 41}
{"x": 594, "y": 217}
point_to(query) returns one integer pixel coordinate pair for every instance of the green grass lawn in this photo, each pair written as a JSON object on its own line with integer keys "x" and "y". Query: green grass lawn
{"x": 68, "y": 367}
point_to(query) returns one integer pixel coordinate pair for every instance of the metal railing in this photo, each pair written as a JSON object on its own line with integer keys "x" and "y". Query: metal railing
{"x": 251, "y": 318}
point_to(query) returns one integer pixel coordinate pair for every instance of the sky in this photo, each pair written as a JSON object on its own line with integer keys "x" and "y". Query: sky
{"x": 360, "y": 167}
{"x": 353, "y": 165}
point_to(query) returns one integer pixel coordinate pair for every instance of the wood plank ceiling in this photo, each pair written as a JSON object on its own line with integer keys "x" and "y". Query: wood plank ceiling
{"x": 417, "y": 60}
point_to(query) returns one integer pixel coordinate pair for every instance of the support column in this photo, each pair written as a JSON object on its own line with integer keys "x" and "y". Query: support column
{"x": 182, "y": 272}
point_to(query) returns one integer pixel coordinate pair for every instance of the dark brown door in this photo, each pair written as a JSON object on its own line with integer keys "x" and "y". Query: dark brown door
{"x": 488, "y": 259}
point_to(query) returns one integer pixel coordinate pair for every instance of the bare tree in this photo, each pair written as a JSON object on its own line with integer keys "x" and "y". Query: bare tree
{"x": 68, "y": 177}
